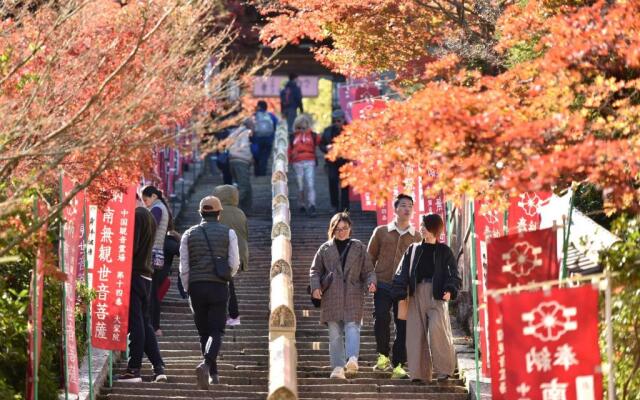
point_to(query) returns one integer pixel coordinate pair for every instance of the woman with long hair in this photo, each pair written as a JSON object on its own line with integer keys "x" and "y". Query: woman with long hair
{"x": 340, "y": 276}
{"x": 428, "y": 273}
{"x": 157, "y": 205}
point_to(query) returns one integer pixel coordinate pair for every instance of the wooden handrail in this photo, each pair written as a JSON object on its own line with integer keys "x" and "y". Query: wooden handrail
{"x": 281, "y": 256}
{"x": 283, "y": 358}
{"x": 283, "y": 380}
{"x": 281, "y": 220}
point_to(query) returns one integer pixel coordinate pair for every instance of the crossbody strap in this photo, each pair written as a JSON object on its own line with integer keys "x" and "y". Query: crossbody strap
{"x": 206, "y": 238}
{"x": 343, "y": 256}
{"x": 413, "y": 254}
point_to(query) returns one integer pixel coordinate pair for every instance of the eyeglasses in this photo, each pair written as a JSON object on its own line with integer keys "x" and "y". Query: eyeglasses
{"x": 342, "y": 229}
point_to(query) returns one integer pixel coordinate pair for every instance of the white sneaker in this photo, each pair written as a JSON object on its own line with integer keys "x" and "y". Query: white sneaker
{"x": 352, "y": 366}
{"x": 338, "y": 373}
{"x": 233, "y": 321}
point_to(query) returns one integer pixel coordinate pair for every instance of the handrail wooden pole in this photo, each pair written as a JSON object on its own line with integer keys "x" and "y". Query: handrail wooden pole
{"x": 283, "y": 357}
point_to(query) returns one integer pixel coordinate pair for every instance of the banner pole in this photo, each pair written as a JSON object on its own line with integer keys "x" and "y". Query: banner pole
{"x": 505, "y": 222}
{"x": 608, "y": 313}
{"x": 448, "y": 216}
{"x": 88, "y": 312}
{"x": 111, "y": 368}
{"x": 64, "y": 303}
{"x": 35, "y": 313}
{"x": 474, "y": 295}
{"x": 567, "y": 232}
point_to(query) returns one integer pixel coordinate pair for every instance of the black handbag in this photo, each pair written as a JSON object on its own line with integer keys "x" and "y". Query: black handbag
{"x": 221, "y": 266}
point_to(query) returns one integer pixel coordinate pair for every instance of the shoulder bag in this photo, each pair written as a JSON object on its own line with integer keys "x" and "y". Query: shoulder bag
{"x": 221, "y": 266}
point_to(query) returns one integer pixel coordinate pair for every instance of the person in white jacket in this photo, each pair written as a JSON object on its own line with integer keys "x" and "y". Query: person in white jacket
{"x": 240, "y": 159}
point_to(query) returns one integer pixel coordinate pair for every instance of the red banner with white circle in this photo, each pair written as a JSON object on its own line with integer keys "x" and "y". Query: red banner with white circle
{"x": 549, "y": 344}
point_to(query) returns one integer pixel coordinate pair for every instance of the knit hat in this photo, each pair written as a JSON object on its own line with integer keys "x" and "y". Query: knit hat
{"x": 210, "y": 203}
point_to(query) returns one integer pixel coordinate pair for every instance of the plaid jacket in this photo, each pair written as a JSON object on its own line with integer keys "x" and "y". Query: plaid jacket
{"x": 344, "y": 298}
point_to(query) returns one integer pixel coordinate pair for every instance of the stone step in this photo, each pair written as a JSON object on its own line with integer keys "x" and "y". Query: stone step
{"x": 243, "y": 361}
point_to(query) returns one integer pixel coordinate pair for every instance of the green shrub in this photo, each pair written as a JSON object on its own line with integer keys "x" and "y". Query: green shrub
{"x": 14, "y": 304}
{"x": 624, "y": 260}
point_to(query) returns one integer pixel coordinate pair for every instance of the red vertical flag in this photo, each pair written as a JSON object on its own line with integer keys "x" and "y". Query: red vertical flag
{"x": 524, "y": 211}
{"x": 111, "y": 252}
{"x": 72, "y": 240}
{"x": 488, "y": 224}
{"x": 34, "y": 328}
{"x": 522, "y": 258}
{"x": 436, "y": 205}
{"x": 550, "y": 342}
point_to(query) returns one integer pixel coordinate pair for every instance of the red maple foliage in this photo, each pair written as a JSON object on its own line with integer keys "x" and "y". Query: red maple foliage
{"x": 554, "y": 101}
{"x": 91, "y": 88}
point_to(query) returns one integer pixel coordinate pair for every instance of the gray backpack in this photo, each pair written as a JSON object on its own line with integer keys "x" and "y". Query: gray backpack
{"x": 264, "y": 124}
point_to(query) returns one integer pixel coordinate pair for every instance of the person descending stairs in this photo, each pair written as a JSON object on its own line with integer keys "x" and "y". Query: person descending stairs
{"x": 243, "y": 361}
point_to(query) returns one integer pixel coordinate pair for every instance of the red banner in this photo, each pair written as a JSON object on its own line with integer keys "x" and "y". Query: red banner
{"x": 36, "y": 291}
{"x": 362, "y": 110}
{"x": 522, "y": 258}
{"x": 435, "y": 205}
{"x": 524, "y": 211}
{"x": 488, "y": 224}
{"x": 110, "y": 253}
{"x": 550, "y": 342}
{"x": 72, "y": 240}
{"x": 365, "y": 109}
{"x": 523, "y": 216}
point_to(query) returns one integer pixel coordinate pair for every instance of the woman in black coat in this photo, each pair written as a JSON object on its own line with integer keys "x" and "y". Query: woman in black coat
{"x": 428, "y": 274}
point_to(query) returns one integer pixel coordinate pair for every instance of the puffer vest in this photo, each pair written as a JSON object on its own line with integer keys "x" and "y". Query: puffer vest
{"x": 200, "y": 260}
{"x": 157, "y": 252}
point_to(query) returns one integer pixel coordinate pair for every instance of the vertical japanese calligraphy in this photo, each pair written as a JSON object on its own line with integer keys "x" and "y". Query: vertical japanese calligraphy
{"x": 110, "y": 254}
{"x": 72, "y": 254}
{"x": 551, "y": 345}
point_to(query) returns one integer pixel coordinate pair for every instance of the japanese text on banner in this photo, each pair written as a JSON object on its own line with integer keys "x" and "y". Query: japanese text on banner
{"x": 550, "y": 342}
{"x": 111, "y": 271}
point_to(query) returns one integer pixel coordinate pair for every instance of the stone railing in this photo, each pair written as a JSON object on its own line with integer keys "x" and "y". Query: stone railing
{"x": 283, "y": 357}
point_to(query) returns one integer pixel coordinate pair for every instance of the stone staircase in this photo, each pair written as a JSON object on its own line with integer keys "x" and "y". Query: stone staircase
{"x": 243, "y": 362}
{"x": 312, "y": 338}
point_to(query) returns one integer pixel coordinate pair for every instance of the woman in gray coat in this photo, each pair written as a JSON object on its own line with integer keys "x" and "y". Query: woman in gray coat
{"x": 340, "y": 275}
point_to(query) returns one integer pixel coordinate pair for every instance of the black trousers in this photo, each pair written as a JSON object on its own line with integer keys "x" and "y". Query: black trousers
{"x": 234, "y": 312}
{"x": 339, "y": 196}
{"x": 141, "y": 334}
{"x": 208, "y": 301}
{"x": 158, "y": 277}
{"x": 383, "y": 305}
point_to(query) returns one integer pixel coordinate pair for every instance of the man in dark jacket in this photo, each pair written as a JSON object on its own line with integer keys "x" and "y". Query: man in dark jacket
{"x": 141, "y": 334}
{"x": 208, "y": 293}
{"x": 291, "y": 101}
{"x": 339, "y": 196}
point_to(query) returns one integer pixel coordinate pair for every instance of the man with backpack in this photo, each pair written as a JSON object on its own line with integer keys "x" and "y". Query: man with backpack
{"x": 203, "y": 249}
{"x": 291, "y": 101}
{"x": 265, "y": 124}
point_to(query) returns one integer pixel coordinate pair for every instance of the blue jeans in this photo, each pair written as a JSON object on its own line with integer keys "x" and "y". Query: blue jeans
{"x": 338, "y": 330}
{"x": 264, "y": 151}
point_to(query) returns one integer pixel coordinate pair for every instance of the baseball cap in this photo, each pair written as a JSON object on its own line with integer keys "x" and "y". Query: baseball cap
{"x": 210, "y": 203}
